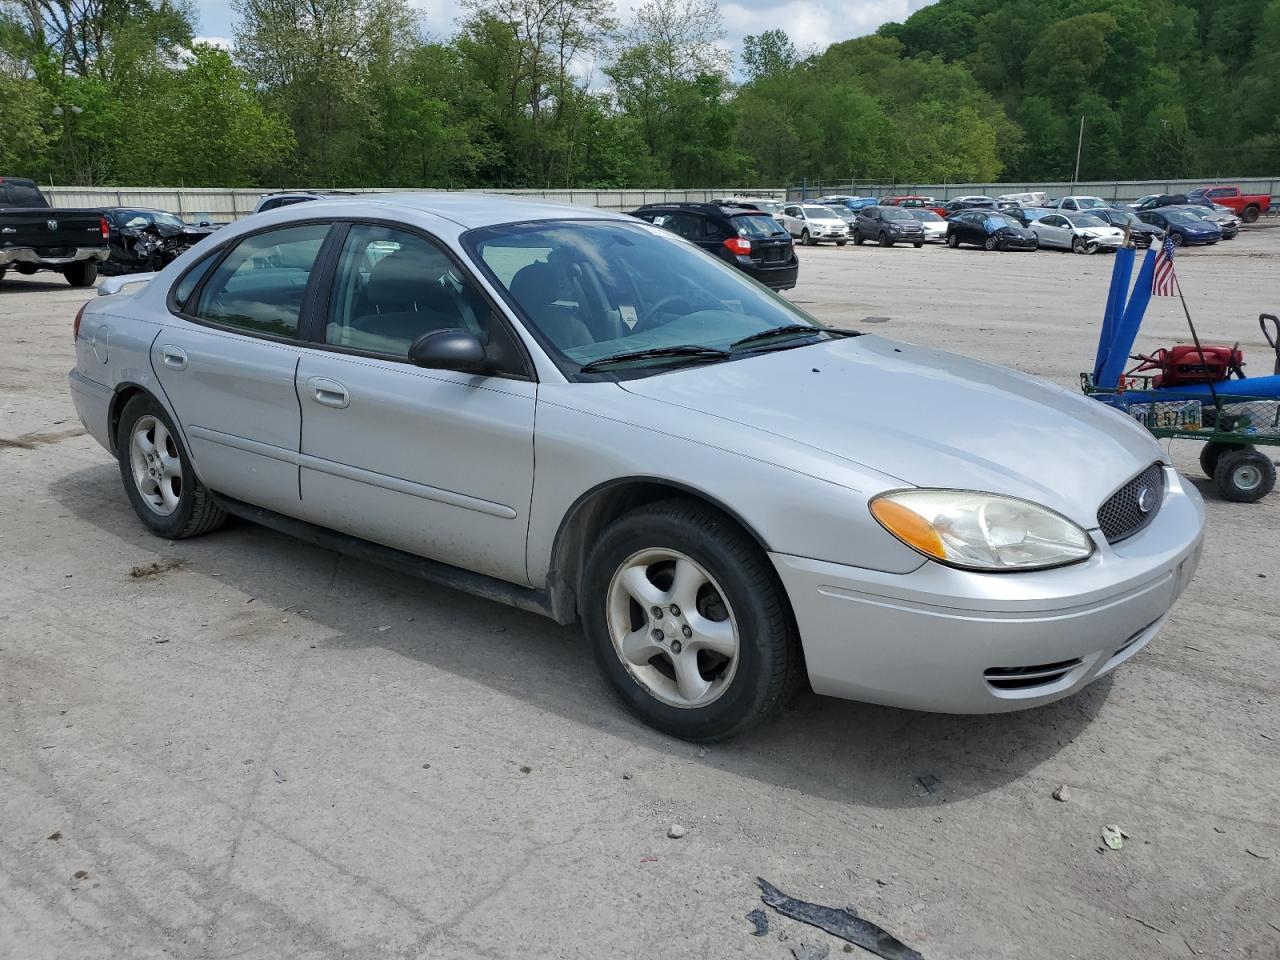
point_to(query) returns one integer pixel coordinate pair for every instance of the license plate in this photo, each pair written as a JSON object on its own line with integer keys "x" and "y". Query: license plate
{"x": 1169, "y": 415}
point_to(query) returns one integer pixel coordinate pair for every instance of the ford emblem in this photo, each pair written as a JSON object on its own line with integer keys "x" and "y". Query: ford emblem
{"x": 52, "y": 224}
{"x": 1145, "y": 500}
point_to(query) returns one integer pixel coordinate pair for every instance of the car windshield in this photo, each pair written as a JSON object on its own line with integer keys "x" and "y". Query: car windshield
{"x": 1118, "y": 217}
{"x": 1179, "y": 216}
{"x": 756, "y": 225}
{"x": 596, "y": 289}
{"x": 819, "y": 213}
{"x": 926, "y": 215}
{"x": 1090, "y": 203}
{"x": 896, "y": 213}
{"x": 1199, "y": 213}
{"x": 143, "y": 218}
{"x": 1084, "y": 220}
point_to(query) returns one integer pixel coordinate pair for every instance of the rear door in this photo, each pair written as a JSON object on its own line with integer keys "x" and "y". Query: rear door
{"x": 229, "y": 368}
{"x": 438, "y": 463}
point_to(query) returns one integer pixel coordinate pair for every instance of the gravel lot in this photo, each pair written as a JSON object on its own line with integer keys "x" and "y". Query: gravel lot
{"x": 242, "y": 746}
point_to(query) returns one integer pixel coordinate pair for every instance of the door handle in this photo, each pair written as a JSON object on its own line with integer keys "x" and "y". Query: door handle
{"x": 174, "y": 357}
{"x": 329, "y": 392}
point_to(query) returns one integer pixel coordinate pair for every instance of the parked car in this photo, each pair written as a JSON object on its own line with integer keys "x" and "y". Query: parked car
{"x": 1159, "y": 200}
{"x": 750, "y": 240}
{"x": 1078, "y": 203}
{"x": 888, "y": 226}
{"x": 989, "y": 230}
{"x": 849, "y": 203}
{"x": 1024, "y": 214}
{"x": 1078, "y": 232}
{"x": 1032, "y": 199}
{"x": 967, "y": 203}
{"x": 287, "y": 198}
{"x": 144, "y": 240}
{"x": 575, "y": 413}
{"x": 35, "y": 236}
{"x": 1182, "y": 226}
{"x": 813, "y": 223}
{"x": 1141, "y": 201}
{"x": 763, "y": 204}
{"x": 1141, "y": 234}
{"x": 1247, "y": 206}
{"x": 1227, "y": 221}
{"x": 934, "y": 226}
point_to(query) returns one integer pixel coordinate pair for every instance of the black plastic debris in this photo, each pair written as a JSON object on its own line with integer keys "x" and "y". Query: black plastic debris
{"x": 844, "y": 924}
{"x": 761, "y": 921}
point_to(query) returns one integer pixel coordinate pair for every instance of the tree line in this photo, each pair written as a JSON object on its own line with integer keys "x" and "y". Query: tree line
{"x": 558, "y": 93}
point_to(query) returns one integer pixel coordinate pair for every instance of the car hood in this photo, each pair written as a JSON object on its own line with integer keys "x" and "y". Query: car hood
{"x": 925, "y": 417}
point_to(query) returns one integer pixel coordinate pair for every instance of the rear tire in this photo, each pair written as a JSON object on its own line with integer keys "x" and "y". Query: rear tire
{"x": 732, "y": 596}
{"x": 168, "y": 509}
{"x": 1250, "y": 214}
{"x": 841, "y": 243}
{"x": 1244, "y": 475}
{"x": 953, "y": 241}
{"x": 81, "y": 274}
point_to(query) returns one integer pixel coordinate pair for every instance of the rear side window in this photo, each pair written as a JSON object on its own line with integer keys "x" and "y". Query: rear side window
{"x": 258, "y": 287}
{"x": 190, "y": 280}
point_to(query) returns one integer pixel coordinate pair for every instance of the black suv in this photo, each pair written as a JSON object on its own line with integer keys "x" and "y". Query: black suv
{"x": 887, "y": 225}
{"x": 750, "y": 240}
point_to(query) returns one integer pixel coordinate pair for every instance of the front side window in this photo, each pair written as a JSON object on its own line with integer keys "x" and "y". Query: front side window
{"x": 392, "y": 287}
{"x": 604, "y": 289}
{"x": 258, "y": 287}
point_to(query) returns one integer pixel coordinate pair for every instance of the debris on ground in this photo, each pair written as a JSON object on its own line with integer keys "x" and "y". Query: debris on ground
{"x": 675, "y": 831}
{"x": 145, "y": 571}
{"x": 928, "y": 781}
{"x": 526, "y": 769}
{"x": 1149, "y": 926}
{"x": 649, "y": 858}
{"x": 1113, "y": 836}
{"x": 1254, "y": 853}
{"x": 1062, "y": 794}
{"x": 845, "y": 924}
{"x": 56, "y": 835}
{"x": 811, "y": 951}
{"x": 280, "y": 777}
{"x": 80, "y": 875}
{"x": 760, "y": 920}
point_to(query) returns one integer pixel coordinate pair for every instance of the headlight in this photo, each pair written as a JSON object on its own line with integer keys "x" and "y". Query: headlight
{"x": 981, "y": 531}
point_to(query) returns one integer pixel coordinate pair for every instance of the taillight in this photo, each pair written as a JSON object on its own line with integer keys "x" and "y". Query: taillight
{"x": 106, "y": 230}
{"x": 75, "y": 329}
{"x": 738, "y": 245}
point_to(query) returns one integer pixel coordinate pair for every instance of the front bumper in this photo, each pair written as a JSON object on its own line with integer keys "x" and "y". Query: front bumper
{"x": 953, "y": 641}
{"x": 10, "y": 255}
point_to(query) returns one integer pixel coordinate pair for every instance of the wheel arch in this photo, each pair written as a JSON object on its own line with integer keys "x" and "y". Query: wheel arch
{"x": 594, "y": 510}
{"x": 119, "y": 400}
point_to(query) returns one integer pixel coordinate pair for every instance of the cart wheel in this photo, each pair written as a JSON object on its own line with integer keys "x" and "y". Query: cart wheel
{"x": 1210, "y": 454}
{"x": 1244, "y": 475}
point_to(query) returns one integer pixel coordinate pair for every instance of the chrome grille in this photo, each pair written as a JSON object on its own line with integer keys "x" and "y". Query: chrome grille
{"x": 1122, "y": 515}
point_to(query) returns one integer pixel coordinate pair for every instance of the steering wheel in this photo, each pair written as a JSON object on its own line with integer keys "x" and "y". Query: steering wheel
{"x": 649, "y": 320}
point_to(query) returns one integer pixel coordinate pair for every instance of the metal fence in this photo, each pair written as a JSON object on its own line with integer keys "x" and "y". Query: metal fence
{"x": 1107, "y": 189}
{"x": 223, "y": 205}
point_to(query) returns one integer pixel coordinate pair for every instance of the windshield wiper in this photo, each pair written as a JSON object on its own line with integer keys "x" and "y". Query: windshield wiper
{"x": 691, "y": 351}
{"x": 790, "y": 328}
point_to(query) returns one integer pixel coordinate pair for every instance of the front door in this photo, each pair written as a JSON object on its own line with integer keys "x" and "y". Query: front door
{"x": 434, "y": 462}
{"x": 228, "y": 366}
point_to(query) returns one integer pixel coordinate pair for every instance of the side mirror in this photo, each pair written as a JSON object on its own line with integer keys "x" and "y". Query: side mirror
{"x": 455, "y": 349}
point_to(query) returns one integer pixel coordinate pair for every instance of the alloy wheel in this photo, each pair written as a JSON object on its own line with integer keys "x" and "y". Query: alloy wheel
{"x": 156, "y": 466}
{"x": 672, "y": 627}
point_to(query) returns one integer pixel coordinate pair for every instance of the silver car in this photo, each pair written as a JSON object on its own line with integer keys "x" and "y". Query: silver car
{"x": 586, "y": 416}
{"x": 1078, "y": 232}
{"x": 812, "y": 223}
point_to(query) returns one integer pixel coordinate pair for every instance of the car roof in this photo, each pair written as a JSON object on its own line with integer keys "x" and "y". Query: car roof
{"x": 471, "y": 210}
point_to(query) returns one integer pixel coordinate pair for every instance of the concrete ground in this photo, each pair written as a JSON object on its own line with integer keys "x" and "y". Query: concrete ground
{"x": 242, "y": 746}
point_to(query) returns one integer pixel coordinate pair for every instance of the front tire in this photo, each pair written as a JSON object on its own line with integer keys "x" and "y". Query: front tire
{"x": 688, "y": 621}
{"x": 917, "y": 244}
{"x": 857, "y": 238}
{"x": 884, "y": 240}
{"x": 1079, "y": 245}
{"x": 841, "y": 243}
{"x": 990, "y": 244}
{"x": 157, "y": 474}
{"x": 1244, "y": 475}
{"x": 805, "y": 239}
{"x": 1178, "y": 239}
{"x": 953, "y": 241}
{"x": 81, "y": 274}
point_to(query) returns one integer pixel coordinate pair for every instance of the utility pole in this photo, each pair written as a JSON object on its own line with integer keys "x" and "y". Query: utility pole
{"x": 1079, "y": 146}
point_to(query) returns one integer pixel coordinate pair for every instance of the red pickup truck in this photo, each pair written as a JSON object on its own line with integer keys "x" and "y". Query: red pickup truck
{"x": 1247, "y": 206}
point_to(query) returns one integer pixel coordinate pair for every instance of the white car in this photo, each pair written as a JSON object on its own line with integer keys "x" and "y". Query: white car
{"x": 935, "y": 228}
{"x": 1078, "y": 232}
{"x": 1076, "y": 204}
{"x": 812, "y": 223}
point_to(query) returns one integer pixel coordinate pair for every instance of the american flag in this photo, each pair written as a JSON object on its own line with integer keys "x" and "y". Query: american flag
{"x": 1162, "y": 284}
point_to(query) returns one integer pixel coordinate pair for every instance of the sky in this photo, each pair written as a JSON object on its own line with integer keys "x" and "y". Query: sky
{"x": 810, "y": 23}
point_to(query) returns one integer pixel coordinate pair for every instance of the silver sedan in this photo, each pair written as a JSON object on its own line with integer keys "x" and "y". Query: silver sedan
{"x": 588, "y": 417}
{"x": 1078, "y": 232}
